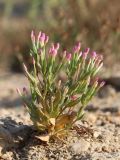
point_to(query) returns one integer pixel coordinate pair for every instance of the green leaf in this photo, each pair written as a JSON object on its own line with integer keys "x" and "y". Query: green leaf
{"x": 57, "y": 98}
{"x": 73, "y": 103}
{"x": 80, "y": 116}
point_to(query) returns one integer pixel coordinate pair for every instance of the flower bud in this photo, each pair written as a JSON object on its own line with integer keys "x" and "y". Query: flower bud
{"x": 52, "y": 51}
{"x": 39, "y": 35}
{"x": 73, "y": 97}
{"x": 46, "y": 39}
{"x": 85, "y": 53}
{"x": 68, "y": 56}
{"x": 87, "y": 50}
{"x": 93, "y": 54}
{"x": 57, "y": 46}
{"x": 77, "y": 47}
{"x": 33, "y": 37}
{"x": 42, "y": 38}
{"x": 64, "y": 52}
{"x": 102, "y": 84}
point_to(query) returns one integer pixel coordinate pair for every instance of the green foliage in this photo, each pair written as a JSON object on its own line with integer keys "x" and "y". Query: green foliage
{"x": 53, "y": 101}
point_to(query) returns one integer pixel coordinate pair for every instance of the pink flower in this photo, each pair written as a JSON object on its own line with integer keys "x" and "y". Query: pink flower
{"x": 85, "y": 53}
{"x": 77, "y": 47}
{"x": 87, "y": 50}
{"x": 54, "y": 49}
{"x": 94, "y": 55}
{"x": 68, "y": 56}
{"x": 42, "y": 38}
{"x": 53, "y": 52}
{"x": 73, "y": 97}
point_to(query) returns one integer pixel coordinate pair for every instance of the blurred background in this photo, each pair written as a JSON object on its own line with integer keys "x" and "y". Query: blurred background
{"x": 94, "y": 23}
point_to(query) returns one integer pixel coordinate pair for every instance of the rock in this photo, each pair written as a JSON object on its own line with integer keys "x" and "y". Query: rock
{"x": 114, "y": 81}
{"x": 80, "y": 146}
{"x": 91, "y": 117}
{"x": 106, "y": 92}
{"x": 12, "y": 134}
{"x": 91, "y": 108}
{"x": 96, "y": 134}
{"x": 105, "y": 149}
{"x": 113, "y": 109}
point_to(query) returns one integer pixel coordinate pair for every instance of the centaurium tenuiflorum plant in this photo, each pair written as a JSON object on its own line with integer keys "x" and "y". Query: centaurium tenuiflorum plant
{"x": 53, "y": 101}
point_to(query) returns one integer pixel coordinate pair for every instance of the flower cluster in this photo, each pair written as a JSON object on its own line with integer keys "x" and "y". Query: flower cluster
{"x": 53, "y": 101}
